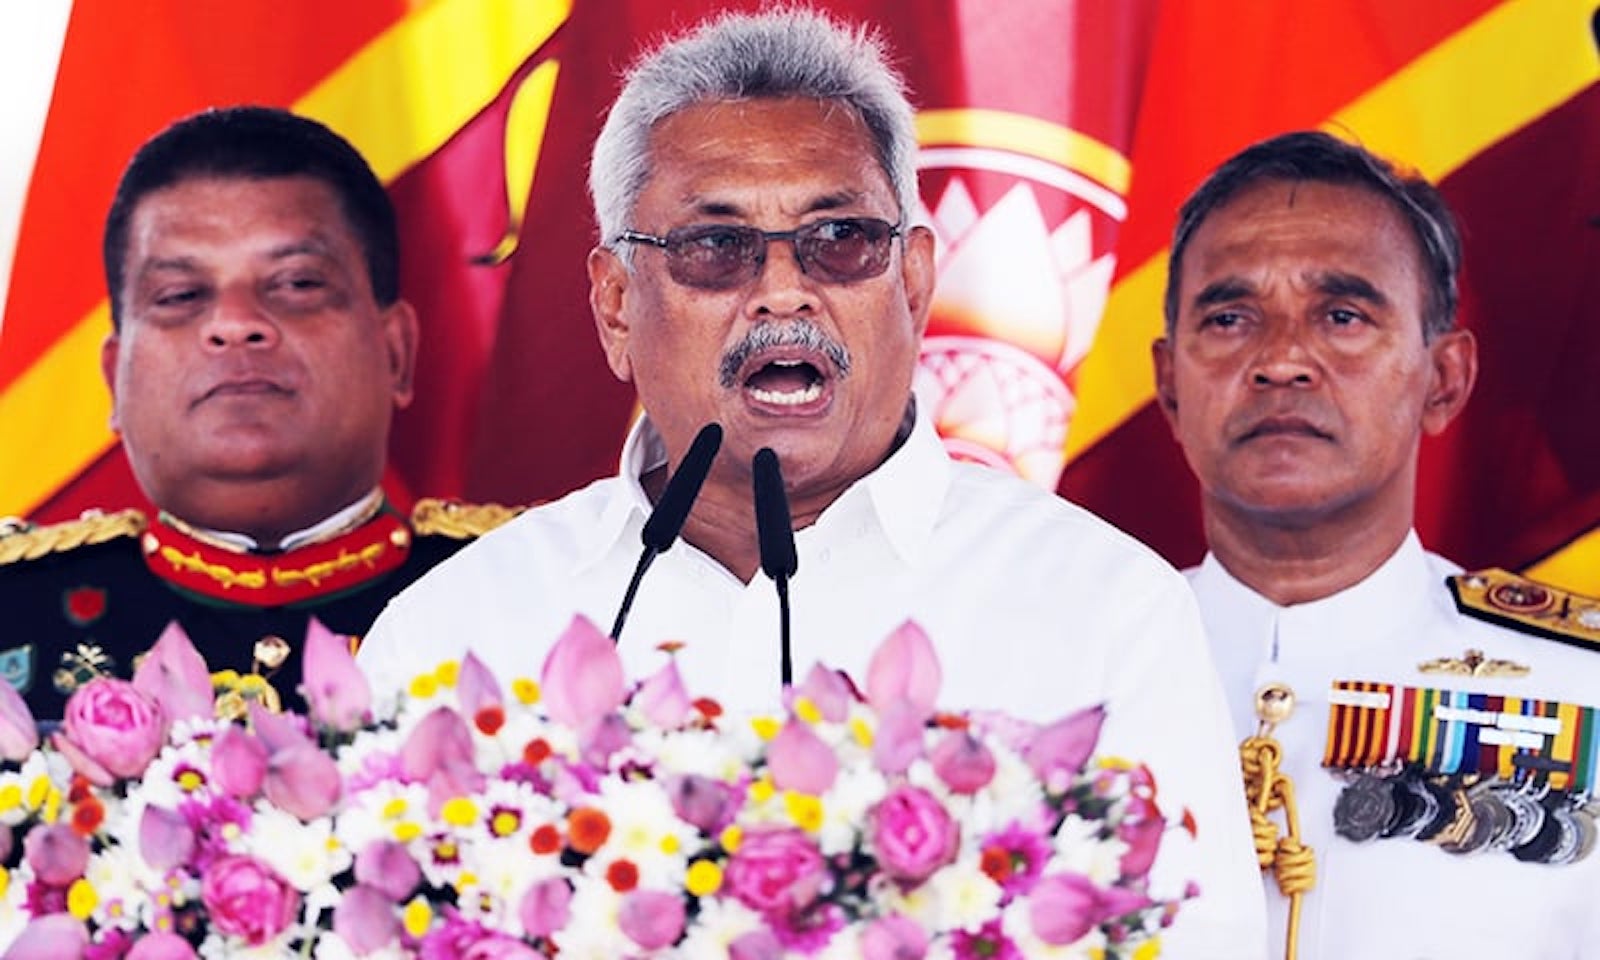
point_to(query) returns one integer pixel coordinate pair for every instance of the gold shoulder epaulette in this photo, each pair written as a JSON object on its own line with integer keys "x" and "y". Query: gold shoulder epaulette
{"x": 1503, "y": 597}
{"x": 459, "y": 521}
{"x": 30, "y": 542}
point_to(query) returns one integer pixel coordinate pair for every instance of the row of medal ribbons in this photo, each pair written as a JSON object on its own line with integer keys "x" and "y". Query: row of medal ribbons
{"x": 1468, "y": 772}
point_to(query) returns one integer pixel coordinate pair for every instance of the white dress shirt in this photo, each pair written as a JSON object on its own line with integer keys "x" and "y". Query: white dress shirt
{"x": 1399, "y": 899}
{"x": 1035, "y": 606}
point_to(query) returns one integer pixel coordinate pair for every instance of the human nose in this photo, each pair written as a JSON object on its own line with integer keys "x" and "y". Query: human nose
{"x": 1284, "y": 360}
{"x": 783, "y": 288}
{"x": 238, "y": 318}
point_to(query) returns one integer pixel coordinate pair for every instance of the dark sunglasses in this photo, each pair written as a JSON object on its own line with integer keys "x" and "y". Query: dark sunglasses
{"x": 721, "y": 256}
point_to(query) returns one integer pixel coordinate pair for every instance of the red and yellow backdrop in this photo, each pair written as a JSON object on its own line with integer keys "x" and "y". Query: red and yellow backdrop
{"x": 1058, "y": 138}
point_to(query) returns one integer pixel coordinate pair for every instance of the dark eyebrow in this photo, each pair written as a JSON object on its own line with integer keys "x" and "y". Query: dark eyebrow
{"x": 1222, "y": 291}
{"x": 1349, "y": 285}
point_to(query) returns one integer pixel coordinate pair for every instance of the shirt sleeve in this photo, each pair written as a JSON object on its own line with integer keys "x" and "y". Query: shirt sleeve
{"x": 1167, "y": 709}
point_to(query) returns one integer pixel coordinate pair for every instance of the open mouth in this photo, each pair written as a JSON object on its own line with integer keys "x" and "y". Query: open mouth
{"x": 786, "y": 383}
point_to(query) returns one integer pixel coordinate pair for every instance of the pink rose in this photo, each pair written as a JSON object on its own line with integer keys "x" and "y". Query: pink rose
{"x": 245, "y": 898}
{"x": 57, "y": 855}
{"x": 775, "y": 871}
{"x": 912, "y": 833}
{"x": 111, "y": 730}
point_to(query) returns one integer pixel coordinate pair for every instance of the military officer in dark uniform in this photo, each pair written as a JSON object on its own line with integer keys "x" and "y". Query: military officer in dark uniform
{"x": 258, "y": 351}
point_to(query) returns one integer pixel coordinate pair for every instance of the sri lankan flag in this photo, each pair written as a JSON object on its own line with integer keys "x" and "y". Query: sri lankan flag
{"x": 1058, "y": 138}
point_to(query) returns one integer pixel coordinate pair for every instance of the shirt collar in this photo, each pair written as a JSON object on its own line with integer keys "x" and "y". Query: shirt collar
{"x": 904, "y": 492}
{"x": 341, "y": 522}
{"x": 1363, "y": 612}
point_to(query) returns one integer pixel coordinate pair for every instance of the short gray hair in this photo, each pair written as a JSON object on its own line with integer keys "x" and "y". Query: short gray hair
{"x": 788, "y": 52}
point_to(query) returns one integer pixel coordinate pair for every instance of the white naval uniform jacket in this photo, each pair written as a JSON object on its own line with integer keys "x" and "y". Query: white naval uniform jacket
{"x": 1035, "y": 607}
{"x": 1399, "y": 899}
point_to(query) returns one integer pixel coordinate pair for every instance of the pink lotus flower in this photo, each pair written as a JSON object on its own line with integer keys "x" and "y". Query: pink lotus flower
{"x": 651, "y": 918}
{"x": 828, "y": 690}
{"x": 898, "y": 741}
{"x": 386, "y": 866}
{"x": 479, "y": 695}
{"x": 238, "y": 763}
{"x": 19, "y": 734}
{"x": 894, "y": 938}
{"x": 174, "y": 675}
{"x": 244, "y": 898}
{"x": 912, "y": 833}
{"x": 800, "y": 761}
{"x": 165, "y": 838}
{"x": 334, "y": 687}
{"x": 160, "y": 945}
{"x": 58, "y": 936}
{"x": 365, "y": 919}
{"x": 707, "y": 803}
{"x": 57, "y": 855}
{"x": 302, "y": 781}
{"x": 278, "y": 731}
{"x": 963, "y": 762}
{"x": 438, "y": 752}
{"x": 1058, "y": 752}
{"x": 777, "y": 871}
{"x": 663, "y": 699}
{"x": 546, "y": 906}
{"x": 582, "y": 676}
{"x": 905, "y": 669}
{"x": 1142, "y": 832}
{"x": 1064, "y": 907}
{"x": 756, "y": 945}
{"x": 111, "y": 731}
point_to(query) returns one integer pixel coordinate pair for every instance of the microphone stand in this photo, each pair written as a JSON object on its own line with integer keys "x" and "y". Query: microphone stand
{"x": 775, "y": 535}
{"x": 667, "y": 519}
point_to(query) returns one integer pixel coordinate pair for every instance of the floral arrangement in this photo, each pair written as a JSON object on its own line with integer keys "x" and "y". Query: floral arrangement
{"x": 574, "y": 815}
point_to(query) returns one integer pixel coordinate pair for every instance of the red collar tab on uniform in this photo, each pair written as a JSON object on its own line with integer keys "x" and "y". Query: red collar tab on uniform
{"x": 274, "y": 580}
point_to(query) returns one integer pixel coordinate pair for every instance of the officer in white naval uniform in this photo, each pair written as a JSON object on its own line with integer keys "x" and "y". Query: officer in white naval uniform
{"x": 1437, "y": 766}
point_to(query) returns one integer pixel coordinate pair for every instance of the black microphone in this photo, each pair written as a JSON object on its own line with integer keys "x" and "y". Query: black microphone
{"x": 661, "y": 528}
{"x": 775, "y": 534}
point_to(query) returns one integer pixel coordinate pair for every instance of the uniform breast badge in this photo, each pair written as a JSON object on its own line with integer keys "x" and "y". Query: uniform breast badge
{"x": 1467, "y": 772}
{"x": 1268, "y": 789}
{"x": 1474, "y": 664}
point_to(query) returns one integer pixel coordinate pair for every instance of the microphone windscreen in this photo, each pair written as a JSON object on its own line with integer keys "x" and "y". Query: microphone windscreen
{"x": 666, "y": 520}
{"x": 774, "y": 532}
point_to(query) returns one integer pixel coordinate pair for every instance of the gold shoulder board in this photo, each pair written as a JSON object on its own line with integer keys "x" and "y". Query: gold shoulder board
{"x": 28, "y": 542}
{"x": 432, "y": 517}
{"x": 1514, "y": 601}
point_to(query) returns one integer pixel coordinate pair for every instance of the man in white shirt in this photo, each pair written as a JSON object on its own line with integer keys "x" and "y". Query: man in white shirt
{"x": 758, "y": 269}
{"x": 1311, "y": 342}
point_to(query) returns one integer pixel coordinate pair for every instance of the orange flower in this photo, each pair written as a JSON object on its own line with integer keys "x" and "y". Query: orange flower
{"x": 587, "y": 829}
{"x": 87, "y": 816}
{"x": 995, "y": 862}
{"x": 535, "y": 752}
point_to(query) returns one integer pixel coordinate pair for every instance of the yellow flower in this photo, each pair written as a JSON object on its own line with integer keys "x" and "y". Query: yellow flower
{"x": 417, "y": 917}
{"x": 860, "y": 729}
{"x": 81, "y": 899}
{"x": 806, "y": 710}
{"x": 394, "y": 809}
{"x": 761, "y": 791}
{"x": 731, "y": 837}
{"x": 526, "y": 691}
{"x": 447, "y": 672}
{"x": 423, "y": 687}
{"x": 766, "y": 727}
{"x": 704, "y": 878}
{"x": 669, "y": 844}
{"x": 407, "y": 831}
{"x": 459, "y": 812}
{"x": 804, "y": 809}
{"x": 10, "y": 797}
{"x": 1148, "y": 950}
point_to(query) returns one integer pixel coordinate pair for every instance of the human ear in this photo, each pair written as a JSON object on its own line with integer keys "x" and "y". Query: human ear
{"x": 1454, "y": 359}
{"x": 608, "y": 289}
